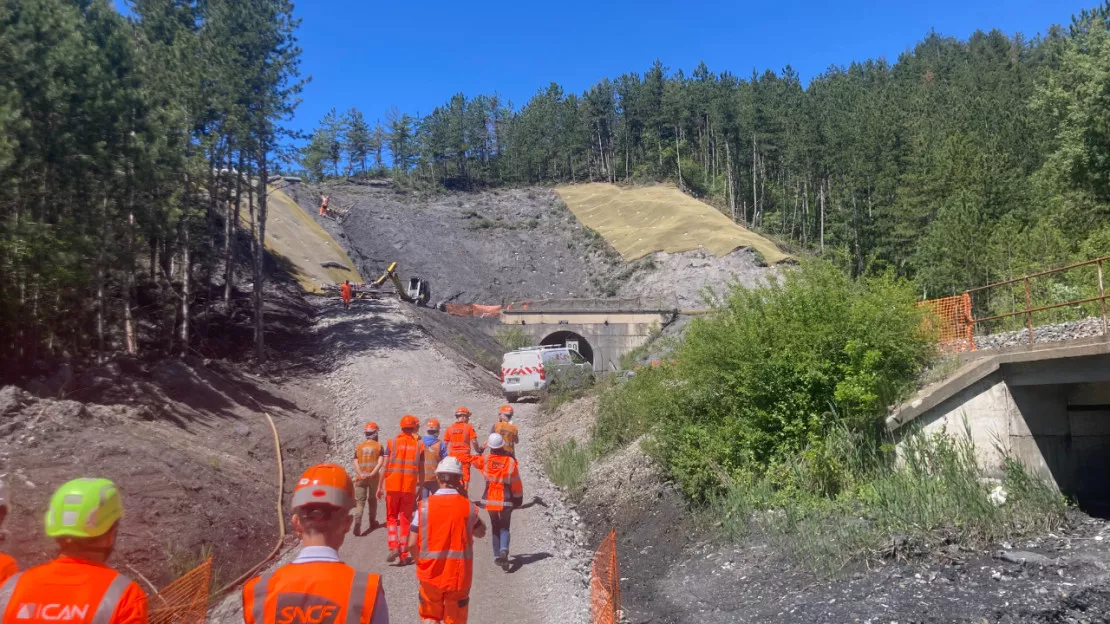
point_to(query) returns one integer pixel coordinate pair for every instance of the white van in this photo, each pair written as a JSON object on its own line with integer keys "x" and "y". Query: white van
{"x": 530, "y": 370}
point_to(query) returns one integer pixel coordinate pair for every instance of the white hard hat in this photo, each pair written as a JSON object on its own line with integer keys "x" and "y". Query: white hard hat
{"x": 496, "y": 441}
{"x": 449, "y": 465}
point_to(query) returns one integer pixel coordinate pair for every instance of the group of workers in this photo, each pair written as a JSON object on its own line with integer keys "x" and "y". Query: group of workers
{"x": 430, "y": 518}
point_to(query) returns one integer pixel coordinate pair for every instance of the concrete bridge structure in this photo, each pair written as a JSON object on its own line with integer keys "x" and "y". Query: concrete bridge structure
{"x": 602, "y": 331}
{"x": 1047, "y": 405}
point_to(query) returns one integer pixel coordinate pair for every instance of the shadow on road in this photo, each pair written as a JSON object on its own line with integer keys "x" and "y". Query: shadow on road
{"x": 536, "y": 500}
{"x": 519, "y": 561}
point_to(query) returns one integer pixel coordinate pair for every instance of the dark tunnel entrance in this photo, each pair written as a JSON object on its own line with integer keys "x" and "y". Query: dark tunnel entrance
{"x": 572, "y": 340}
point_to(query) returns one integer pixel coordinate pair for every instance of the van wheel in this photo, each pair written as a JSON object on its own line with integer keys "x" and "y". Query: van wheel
{"x": 511, "y": 397}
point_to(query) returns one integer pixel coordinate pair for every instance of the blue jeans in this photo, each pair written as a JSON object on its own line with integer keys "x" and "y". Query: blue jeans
{"x": 499, "y": 529}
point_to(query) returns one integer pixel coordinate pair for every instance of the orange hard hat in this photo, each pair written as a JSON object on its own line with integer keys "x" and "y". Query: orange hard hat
{"x": 325, "y": 484}
{"x": 432, "y": 424}
{"x": 371, "y": 426}
{"x": 462, "y": 411}
{"x": 408, "y": 421}
{"x": 506, "y": 409}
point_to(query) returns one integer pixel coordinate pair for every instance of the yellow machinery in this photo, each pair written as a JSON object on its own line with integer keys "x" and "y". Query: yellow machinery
{"x": 417, "y": 291}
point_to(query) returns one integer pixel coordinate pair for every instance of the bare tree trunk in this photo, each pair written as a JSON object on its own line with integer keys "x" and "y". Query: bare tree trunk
{"x": 731, "y": 184}
{"x": 129, "y": 288}
{"x": 678, "y": 158}
{"x": 755, "y": 188}
{"x": 259, "y": 259}
{"x": 101, "y": 277}
{"x": 821, "y": 194}
{"x": 229, "y": 235}
{"x": 186, "y": 277}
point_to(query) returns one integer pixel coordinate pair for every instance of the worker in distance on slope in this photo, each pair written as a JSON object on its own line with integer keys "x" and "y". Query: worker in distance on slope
{"x": 462, "y": 444}
{"x": 345, "y": 291}
{"x": 369, "y": 460}
{"x": 506, "y": 429}
{"x": 317, "y": 587}
{"x": 324, "y": 205}
{"x": 404, "y": 473}
{"x": 8, "y": 566}
{"x": 434, "y": 452}
{"x": 504, "y": 492}
{"x": 443, "y": 533}
{"x": 77, "y": 587}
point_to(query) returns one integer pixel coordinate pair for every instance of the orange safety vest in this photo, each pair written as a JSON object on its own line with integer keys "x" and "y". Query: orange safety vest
{"x": 431, "y": 461}
{"x": 458, "y": 437}
{"x": 345, "y": 290}
{"x": 321, "y": 592}
{"x": 508, "y": 432}
{"x": 403, "y": 465}
{"x": 367, "y": 454}
{"x": 445, "y": 536}
{"x": 74, "y": 591}
{"x": 502, "y": 481}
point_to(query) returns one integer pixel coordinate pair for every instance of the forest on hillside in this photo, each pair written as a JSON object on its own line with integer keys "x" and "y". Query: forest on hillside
{"x": 960, "y": 164}
{"x": 116, "y": 221}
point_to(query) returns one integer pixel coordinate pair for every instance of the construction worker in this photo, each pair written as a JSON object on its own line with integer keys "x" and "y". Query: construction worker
{"x": 369, "y": 460}
{"x": 504, "y": 492}
{"x": 324, "y": 205}
{"x": 462, "y": 443}
{"x": 83, "y": 518}
{"x": 443, "y": 533}
{"x": 404, "y": 473}
{"x": 506, "y": 429}
{"x": 345, "y": 292}
{"x": 317, "y": 586}
{"x": 434, "y": 452}
{"x": 8, "y": 566}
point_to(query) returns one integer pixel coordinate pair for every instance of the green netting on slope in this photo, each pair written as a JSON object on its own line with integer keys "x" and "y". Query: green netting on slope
{"x": 640, "y": 221}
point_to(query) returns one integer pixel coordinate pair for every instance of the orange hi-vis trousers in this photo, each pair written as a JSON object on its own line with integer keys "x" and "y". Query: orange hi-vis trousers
{"x": 399, "y": 507}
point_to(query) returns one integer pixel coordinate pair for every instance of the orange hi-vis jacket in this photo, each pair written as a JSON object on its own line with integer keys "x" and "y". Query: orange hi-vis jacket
{"x": 457, "y": 438}
{"x": 509, "y": 434}
{"x": 367, "y": 454}
{"x": 321, "y": 592}
{"x": 403, "y": 465}
{"x": 8, "y": 568}
{"x": 74, "y": 591}
{"x": 431, "y": 461}
{"x": 445, "y": 537}
{"x": 345, "y": 290}
{"x": 503, "y": 484}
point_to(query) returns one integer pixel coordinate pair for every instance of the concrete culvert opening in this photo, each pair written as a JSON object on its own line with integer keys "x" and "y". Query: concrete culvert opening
{"x": 570, "y": 339}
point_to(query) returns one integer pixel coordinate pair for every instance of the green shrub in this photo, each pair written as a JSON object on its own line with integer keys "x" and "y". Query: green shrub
{"x": 769, "y": 374}
{"x": 567, "y": 465}
{"x": 512, "y": 338}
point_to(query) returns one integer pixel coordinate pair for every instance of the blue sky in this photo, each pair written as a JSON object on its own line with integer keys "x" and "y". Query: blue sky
{"x": 416, "y": 54}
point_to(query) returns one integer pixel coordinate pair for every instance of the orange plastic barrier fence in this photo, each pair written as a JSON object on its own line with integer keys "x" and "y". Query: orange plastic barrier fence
{"x": 184, "y": 601}
{"x": 605, "y": 583}
{"x": 473, "y": 309}
{"x": 953, "y": 321}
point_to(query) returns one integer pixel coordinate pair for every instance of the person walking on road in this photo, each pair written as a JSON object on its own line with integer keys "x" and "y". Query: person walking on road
{"x": 345, "y": 291}
{"x": 369, "y": 460}
{"x": 8, "y": 566}
{"x": 507, "y": 430}
{"x": 83, "y": 518}
{"x": 462, "y": 444}
{"x": 317, "y": 587}
{"x": 434, "y": 452}
{"x": 504, "y": 492}
{"x": 443, "y": 533}
{"x": 404, "y": 473}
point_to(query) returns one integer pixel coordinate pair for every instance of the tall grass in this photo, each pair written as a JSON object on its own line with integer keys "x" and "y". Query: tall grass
{"x": 931, "y": 492}
{"x": 567, "y": 464}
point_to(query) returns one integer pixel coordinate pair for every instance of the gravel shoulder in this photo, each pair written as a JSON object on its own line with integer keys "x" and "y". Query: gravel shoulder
{"x": 391, "y": 368}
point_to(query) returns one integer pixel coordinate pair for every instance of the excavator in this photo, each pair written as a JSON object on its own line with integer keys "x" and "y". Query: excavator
{"x": 417, "y": 292}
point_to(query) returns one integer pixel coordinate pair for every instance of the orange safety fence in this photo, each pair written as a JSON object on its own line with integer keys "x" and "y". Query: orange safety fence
{"x": 951, "y": 319}
{"x": 473, "y": 309}
{"x": 184, "y": 601}
{"x": 605, "y": 583}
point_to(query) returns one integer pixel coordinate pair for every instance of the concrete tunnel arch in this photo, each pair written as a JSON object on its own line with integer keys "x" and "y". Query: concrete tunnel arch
{"x": 559, "y": 339}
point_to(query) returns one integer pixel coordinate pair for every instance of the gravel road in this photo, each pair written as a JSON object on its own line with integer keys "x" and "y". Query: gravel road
{"x": 387, "y": 368}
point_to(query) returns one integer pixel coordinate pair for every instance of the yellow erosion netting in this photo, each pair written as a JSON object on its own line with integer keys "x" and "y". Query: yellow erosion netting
{"x": 639, "y": 221}
{"x": 295, "y": 237}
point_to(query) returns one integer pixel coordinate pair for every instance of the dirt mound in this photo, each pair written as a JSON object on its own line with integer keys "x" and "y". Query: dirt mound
{"x": 696, "y": 278}
{"x": 186, "y": 442}
{"x": 308, "y": 252}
